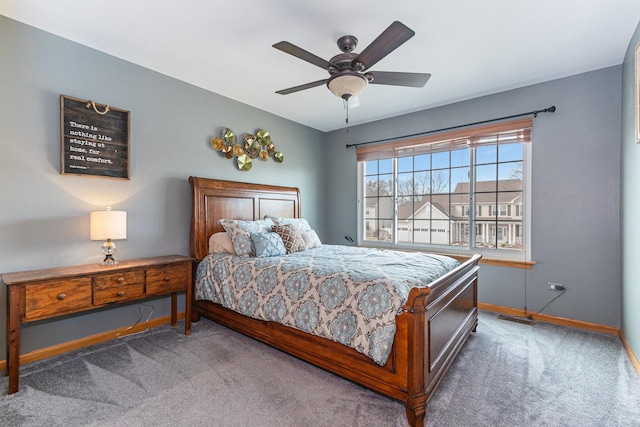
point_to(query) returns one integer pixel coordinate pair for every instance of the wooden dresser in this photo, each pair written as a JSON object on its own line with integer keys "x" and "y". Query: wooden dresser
{"x": 42, "y": 294}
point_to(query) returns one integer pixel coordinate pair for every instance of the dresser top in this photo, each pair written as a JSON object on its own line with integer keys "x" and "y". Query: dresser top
{"x": 20, "y": 277}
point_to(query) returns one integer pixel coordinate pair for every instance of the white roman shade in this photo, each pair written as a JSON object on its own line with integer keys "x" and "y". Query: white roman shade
{"x": 497, "y": 133}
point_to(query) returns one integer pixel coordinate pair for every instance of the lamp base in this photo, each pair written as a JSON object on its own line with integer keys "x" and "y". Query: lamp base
{"x": 108, "y": 249}
{"x": 109, "y": 260}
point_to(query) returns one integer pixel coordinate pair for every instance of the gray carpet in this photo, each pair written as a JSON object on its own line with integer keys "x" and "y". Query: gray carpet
{"x": 508, "y": 374}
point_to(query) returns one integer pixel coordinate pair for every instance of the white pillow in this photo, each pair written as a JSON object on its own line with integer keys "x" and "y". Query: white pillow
{"x": 220, "y": 243}
{"x": 300, "y": 223}
{"x": 311, "y": 239}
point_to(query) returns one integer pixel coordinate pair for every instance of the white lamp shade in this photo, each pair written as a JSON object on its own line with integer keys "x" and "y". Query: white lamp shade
{"x": 108, "y": 225}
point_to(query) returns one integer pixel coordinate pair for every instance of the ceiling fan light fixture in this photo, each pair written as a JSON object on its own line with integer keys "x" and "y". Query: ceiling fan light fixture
{"x": 347, "y": 85}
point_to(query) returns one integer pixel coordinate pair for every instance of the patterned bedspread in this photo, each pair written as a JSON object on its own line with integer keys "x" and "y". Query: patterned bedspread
{"x": 346, "y": 294}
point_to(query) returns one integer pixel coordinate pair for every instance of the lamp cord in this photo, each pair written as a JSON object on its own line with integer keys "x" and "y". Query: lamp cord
{"x": 547, "y": 304}
{"x": 121, "y": 333}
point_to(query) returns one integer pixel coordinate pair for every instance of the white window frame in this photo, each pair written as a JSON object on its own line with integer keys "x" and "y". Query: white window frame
{"x": 497, "y": 253}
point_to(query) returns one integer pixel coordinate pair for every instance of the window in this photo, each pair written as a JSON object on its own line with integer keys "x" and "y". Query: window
{"x": 430, "y": 191}
{"x": 465, "y": 210}
{"x": 499, "y": 210}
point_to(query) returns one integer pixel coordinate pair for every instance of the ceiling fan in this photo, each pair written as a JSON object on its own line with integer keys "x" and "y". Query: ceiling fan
{"x": 349, "y": 71}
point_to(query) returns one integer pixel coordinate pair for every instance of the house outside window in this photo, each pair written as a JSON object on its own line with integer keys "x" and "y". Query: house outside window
{"x": 428, "y": 194}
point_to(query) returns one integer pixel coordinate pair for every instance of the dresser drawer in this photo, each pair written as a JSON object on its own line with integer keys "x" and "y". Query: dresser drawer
{"x": 110, "y": 281}
{"x": 57, "y": 297}
{"x": 118, "y": 294}
{"x": 163, "y": 280}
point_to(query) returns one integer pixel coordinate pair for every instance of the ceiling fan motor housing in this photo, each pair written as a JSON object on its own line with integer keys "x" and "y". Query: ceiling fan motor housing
{"x": 347, "y": 79}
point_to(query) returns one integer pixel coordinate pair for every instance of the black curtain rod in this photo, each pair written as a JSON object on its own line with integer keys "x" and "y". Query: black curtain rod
{"x": 551, "y": 109}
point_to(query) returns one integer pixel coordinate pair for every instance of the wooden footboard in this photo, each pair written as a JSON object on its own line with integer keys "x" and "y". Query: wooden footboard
{"x": 443, "y": 315}
{"x": 435, "y": 322}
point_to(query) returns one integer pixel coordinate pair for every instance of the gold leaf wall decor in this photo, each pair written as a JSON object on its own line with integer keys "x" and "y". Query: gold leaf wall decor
{"x": 251, "y": 146}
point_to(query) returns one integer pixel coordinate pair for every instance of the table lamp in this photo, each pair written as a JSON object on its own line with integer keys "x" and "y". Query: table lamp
{"x": 108, "y": 225}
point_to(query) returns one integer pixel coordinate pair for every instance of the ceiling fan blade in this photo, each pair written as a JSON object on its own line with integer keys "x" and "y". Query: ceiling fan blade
{"x": 396, "y": 34}
{"x": 399, "y": 79}
{"x": 298, "y": 52}
{"x": 301, "y": 87}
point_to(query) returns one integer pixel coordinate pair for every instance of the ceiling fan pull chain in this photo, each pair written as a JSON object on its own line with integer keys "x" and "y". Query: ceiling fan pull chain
{"x": 347, "y": 119}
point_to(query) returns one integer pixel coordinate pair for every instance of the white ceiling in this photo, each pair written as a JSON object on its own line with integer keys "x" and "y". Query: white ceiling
{"x": 470, "y": 47}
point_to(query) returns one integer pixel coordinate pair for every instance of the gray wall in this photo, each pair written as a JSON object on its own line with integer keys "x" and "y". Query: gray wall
{"x": 44, "y": 216}
{"x": 630, "y": 205}
{"x": 575, "y": 191}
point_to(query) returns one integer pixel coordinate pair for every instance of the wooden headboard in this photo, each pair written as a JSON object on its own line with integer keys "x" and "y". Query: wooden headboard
{"x": 214, "y": 199}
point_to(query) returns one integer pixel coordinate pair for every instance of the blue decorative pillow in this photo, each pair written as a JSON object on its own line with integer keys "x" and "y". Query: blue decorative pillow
{"x": 268, "y": 244}
{"x": 240, "y": 233}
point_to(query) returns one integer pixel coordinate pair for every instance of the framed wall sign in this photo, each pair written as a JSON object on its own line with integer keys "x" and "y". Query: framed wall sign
{"x": 94, "y": 139}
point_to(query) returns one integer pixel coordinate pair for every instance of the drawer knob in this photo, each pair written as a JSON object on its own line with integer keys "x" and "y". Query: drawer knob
{"x": 120, "y": 279}
{"x": 62, "y": 296}
{"x": 121, "y": 293}
{"x": 167, "y": 279}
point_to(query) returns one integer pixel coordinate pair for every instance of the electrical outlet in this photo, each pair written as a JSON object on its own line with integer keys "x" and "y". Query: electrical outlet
{"x": 556, "y": 287}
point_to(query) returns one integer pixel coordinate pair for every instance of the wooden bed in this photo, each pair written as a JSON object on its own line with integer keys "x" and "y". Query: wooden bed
{"x": 436, "y": 322}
